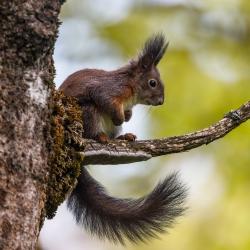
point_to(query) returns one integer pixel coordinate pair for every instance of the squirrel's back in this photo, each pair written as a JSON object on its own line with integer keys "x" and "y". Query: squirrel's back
{"x": 82, "y": 81}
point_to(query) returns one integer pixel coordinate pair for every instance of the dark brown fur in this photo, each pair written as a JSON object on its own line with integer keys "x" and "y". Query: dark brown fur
{"x": 106, "y": 93}
{"x": 107, "y": 99}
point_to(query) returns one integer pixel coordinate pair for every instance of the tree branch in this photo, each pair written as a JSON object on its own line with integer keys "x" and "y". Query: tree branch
{"x": 121, "y": 152}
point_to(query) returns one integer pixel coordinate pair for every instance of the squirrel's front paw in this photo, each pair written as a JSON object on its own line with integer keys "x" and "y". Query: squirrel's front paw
{"x": 117, "y": 121}
{"x": 102, "y": 138}
{"x": 127, "y": 114}
{"x": 127, "y": 137}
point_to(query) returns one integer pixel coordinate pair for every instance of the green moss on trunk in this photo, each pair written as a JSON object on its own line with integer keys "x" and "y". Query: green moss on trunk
{"x": 65, "y": 159}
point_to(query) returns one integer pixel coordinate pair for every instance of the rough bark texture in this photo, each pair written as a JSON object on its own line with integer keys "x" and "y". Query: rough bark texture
{"x": 27, "y": 34}
{"x": 120, "y": 152}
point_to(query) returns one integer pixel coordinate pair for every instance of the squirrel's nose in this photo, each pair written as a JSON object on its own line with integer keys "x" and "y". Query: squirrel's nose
{"x": 160, "y": 101}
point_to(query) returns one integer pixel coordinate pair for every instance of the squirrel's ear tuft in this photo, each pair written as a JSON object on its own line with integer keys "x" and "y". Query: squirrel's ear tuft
{"x": 153, "y": 51}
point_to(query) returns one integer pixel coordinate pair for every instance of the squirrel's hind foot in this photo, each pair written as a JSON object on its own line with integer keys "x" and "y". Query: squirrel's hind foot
{"x": 102, "y": 138}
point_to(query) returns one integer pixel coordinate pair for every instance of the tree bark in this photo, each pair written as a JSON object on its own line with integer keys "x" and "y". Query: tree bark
{"x": 28, "y": 31}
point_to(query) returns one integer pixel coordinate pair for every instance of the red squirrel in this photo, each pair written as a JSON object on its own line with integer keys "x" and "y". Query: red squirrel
{"x": 107, "y": 99}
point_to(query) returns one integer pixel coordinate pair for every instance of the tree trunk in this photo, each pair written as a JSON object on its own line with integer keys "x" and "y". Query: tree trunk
{"x": 28, "y": 30}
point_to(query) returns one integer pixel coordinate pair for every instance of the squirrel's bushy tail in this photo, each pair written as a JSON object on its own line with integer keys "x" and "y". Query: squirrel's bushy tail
{"x": 132, "y": 219}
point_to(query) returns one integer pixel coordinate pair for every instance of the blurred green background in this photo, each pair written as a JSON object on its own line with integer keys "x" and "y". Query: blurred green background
{"x": 207, "y": 73}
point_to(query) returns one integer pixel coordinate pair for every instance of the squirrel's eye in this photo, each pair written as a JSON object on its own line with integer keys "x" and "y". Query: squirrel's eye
{"x": 152, "y": 83}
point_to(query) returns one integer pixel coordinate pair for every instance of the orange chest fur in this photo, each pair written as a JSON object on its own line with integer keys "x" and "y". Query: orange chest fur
{"x": 127, "y": 100}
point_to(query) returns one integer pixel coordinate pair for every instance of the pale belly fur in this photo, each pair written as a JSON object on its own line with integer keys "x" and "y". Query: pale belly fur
{"x": 106, "y": 124}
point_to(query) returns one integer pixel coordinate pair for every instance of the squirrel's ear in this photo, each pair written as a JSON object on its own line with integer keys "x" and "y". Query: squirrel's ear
{"x": 152, "y": 52}
{"x": 161, "y": 53}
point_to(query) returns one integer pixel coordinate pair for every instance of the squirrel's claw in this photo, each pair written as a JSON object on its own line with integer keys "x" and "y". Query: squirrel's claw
{"x": 127, "y": 137}
{"x": 127, "y": 114}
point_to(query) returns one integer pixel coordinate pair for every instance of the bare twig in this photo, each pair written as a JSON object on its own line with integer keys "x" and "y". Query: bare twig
{"x": 121, "y": 152}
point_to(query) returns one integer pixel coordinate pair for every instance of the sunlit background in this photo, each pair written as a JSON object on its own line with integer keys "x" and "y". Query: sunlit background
{"x": 206, "y": 72}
